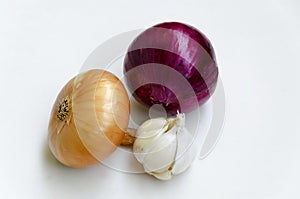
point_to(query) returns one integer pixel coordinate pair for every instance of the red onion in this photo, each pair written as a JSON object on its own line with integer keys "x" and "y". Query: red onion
{"x": 171, "y": 64}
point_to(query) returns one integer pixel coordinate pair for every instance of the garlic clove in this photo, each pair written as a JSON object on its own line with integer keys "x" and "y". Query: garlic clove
{"x": 146, "y": 136}
{"x": 140, "y": 148}
{"x": 146, "y": 133}
{"x": 151, "y": 125}
{"x": 182, "y": 163}
{"x": 163, "y": 176}
{"x": 152, "y": 134}
{"x": 186, "y": 152}
{"x": 161, "y": 154}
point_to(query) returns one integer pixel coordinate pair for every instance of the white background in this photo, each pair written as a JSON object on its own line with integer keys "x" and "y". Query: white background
{"x": 44, "y": 43}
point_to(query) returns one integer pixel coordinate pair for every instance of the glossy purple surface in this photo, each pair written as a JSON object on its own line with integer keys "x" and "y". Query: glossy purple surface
{"x": 171, "y": 64}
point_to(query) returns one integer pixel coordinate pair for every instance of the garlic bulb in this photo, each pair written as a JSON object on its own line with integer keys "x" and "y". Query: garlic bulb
{"x": 88, "y": 119}
{"x": 164, "y": 146}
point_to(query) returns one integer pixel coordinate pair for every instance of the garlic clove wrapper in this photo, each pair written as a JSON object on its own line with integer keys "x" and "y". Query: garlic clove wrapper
{"x": 164, "y": 147}
{"x": 88, "y": 118}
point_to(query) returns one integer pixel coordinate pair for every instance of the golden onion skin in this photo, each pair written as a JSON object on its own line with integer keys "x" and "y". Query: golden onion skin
{"x": 88, "y": 119}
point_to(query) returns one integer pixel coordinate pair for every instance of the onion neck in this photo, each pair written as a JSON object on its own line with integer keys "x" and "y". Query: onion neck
{"x": 129, "y": 137}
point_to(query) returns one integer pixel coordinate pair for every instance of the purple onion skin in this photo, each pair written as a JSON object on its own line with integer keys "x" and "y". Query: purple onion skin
{"x": 176, "y": 48}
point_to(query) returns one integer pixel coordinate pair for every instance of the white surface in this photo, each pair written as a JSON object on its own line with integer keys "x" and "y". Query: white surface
{"x": 44, "y": 43}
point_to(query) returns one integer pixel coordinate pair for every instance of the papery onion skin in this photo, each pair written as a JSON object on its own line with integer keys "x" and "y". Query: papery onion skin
{"x": 184, "y": 50}
{"x": 96, "y": 122}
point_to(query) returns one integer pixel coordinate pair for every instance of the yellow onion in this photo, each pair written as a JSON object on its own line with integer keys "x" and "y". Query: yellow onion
{"x": 88, "y": 119}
